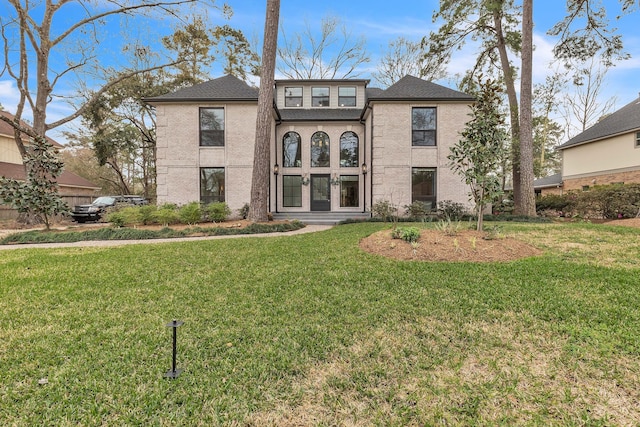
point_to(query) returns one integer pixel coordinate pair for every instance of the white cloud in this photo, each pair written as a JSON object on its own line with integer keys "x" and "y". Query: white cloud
{"x": 9, "y": 95}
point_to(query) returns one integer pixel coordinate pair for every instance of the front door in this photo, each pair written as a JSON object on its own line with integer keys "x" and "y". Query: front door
{"x": 320, "y": 193}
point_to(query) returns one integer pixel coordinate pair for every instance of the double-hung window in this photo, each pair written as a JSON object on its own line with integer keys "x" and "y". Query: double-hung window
{"x": 293, "y": 97}
{"x": 347, "y": 96}
{"x": 423, "y": 126}
{"x": 319, "y": 96}
{"x": 637, "y": 139}
{"x": 212, "y": 127}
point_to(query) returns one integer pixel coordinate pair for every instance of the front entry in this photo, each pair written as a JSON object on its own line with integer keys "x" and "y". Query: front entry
{"x": 320, "y": 193}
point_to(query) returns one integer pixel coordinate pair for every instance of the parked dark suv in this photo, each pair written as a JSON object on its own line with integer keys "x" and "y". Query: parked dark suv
{"x": 94, "y": 211}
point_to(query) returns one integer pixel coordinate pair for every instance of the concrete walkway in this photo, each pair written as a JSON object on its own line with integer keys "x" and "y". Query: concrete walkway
{"x": 107, "y": 243}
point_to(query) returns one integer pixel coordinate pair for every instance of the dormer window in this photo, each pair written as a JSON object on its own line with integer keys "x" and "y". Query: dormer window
{"x": 347, "y": 96}
{"x": 320, "y": 97}
{"x": 293, "y": 97}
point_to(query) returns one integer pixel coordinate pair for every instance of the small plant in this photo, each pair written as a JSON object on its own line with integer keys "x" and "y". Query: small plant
{"x": 146, "y": 214}
{"x": 218, "y": 211}
{"x": 384, "y": 209}
{"x": 244, "y": 211}
{"x": 408, "y": 234}
{"x": 167, "y": 214}
{"x": 190, "y": 213}
{"x": 494, "y": 232}
{"x": 117, "y": 219}
{"x": 449, "y": 227}
{"x": 450, "y": 210}
{"x": 417, "y": 209}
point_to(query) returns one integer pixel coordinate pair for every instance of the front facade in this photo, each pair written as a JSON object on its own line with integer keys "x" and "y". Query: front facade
{"x": 336, "y": 145}
{"x": 606, "y": 153}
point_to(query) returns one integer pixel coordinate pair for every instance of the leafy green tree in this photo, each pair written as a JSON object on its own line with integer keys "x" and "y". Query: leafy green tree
{"x": 495, "y": 24}
{"x": 38, "y": 196}
{"x": 477, "y": 156}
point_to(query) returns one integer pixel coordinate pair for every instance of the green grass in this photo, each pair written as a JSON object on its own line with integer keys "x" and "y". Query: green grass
{"x": 309, "y": 330}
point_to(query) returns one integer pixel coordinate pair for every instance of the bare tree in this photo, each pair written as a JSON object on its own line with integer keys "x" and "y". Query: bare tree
{"x": 405, "y": 57}
{"x": 260, "y": 179}
{"x": 584, "y": 108}
{"x": 29, "y": 32}
{"x": 331, "y": 54}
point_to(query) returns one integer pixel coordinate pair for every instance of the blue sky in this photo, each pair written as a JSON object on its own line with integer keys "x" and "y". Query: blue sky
{"x": 382, "y": 21}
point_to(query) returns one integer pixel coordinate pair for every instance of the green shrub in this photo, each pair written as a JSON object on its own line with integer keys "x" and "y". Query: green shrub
{"x": 385, "y": 210}
{"x": 408, "y": 234}
{"x": 417, "y": 209}
{"x": 244, "y": 211}
{"x": 218, "y": 211}
{"x": 190, "y": 213}
{"x": 117, "y": 218}
{"x": 167, "y": 214}
{"x": 146, "y": 213}
{"x": 450, "y": 210}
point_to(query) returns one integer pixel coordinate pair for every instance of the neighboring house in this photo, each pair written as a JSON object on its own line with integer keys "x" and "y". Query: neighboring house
{"x": 73, "y": 188}
{"x": 606, "y": 153}
{"x": 337, "y": 147}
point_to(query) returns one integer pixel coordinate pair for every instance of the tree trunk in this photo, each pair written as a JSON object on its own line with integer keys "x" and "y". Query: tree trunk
{"x": 260, "y": 179}
{"x": 528, "y": 203}
{"x": 507, "y": 72}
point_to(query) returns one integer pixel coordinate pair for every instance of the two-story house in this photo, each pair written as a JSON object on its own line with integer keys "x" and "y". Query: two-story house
{"x": 337, "y": 146}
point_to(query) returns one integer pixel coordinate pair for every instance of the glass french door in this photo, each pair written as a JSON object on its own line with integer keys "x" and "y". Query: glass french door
{"x": 320, "y": 193}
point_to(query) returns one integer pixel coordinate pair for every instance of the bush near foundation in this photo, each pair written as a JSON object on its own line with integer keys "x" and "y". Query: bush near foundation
{"x": 605, "y": 202}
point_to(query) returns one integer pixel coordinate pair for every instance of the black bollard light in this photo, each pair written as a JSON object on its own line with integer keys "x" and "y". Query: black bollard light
{"x": 174, "y": 372}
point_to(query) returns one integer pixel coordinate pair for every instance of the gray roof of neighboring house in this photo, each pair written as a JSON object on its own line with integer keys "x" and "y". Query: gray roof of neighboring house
{"x": 334, "y": 114}
{"x": 226, "y": 88}
{"x": 626, "y": 119}
{"x": 411, "y": 88}
{"x": 548, "y": 181}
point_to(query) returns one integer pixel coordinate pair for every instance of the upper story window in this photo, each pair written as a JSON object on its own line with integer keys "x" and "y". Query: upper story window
{"x": 320, "y": 150}
{"x": 637, "y": 139}
{"x": 347, "y": 96}
{"x": 291, "y": 150}
{"x": 293, "y": 97}
{"x": 423, "y": 125}
{"x": 319, "y": 96}
{"x": 212, "y": 127}
{"x": 349, "y": 150}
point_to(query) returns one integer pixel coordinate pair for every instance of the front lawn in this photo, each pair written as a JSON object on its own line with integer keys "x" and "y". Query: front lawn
{"x": 310, "y": 330}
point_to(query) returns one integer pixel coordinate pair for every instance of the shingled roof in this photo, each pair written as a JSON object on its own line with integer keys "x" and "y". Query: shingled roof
{"x": 226, "y": 88}
{"x": 626, "y": 119}
{"x": 67, "y": 179}
{"x": 411, "y": 88}
{"x": 7, "y": 130}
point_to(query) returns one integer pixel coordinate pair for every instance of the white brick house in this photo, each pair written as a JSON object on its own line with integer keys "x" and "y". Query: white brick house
{"x": 336, "y": 145}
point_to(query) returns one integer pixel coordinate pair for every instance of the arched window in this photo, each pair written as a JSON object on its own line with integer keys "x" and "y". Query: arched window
{"x": 291, "y": 150}
{"x": 320, "y": 150}
{"x": 349, "y": 150}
